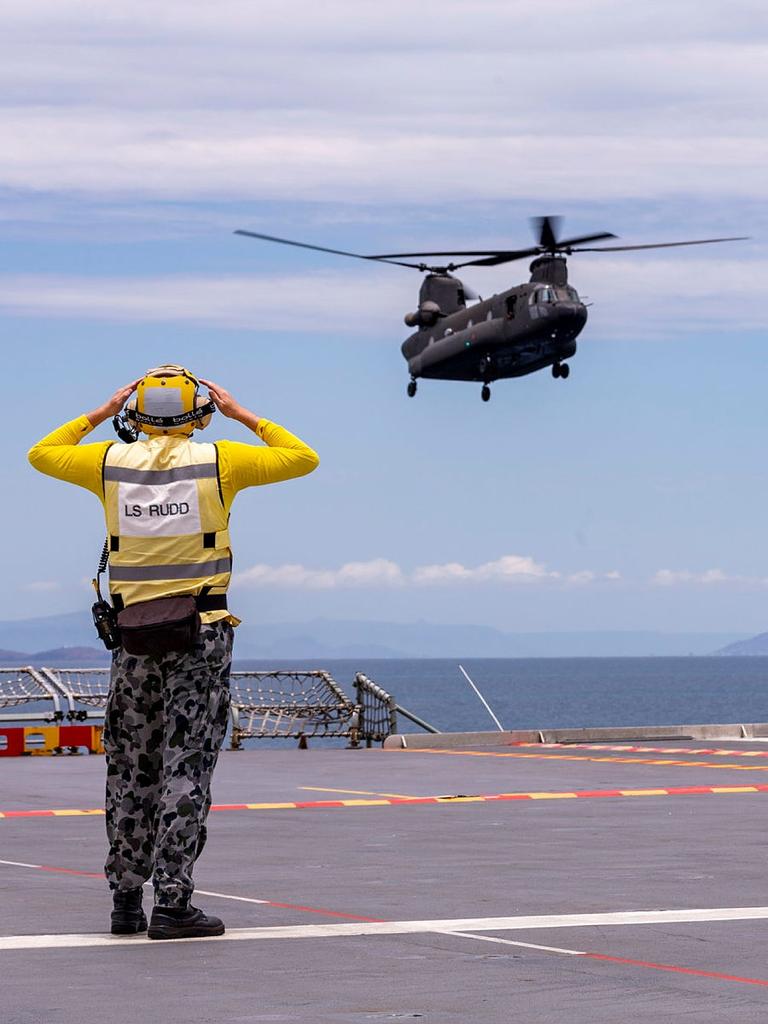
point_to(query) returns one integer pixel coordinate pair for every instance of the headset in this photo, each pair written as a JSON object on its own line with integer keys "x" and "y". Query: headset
{"x": 128, "y": 423}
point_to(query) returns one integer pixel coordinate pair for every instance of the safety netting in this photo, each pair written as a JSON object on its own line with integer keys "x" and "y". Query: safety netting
{"x": 20, "y": 687}
{"x": 82, "y": 688}
{"x": 286, "y": 703}
{"x": 299, "y": 704}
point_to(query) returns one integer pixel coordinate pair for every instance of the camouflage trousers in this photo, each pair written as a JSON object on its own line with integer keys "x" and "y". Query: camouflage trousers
{"x": 163, "y": 728}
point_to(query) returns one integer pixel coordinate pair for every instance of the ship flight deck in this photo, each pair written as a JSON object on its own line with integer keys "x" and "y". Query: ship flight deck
{"x": 473, "y": 883}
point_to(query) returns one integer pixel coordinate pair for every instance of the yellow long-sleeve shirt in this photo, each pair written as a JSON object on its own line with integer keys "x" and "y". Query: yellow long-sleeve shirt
{"x": 61, "y": 455}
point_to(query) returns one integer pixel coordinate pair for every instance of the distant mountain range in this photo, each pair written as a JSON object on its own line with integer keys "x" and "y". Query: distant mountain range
{"x": 57, "y": 657}
{"x": 754, "y": 646}
{"x": 67, "y": 640}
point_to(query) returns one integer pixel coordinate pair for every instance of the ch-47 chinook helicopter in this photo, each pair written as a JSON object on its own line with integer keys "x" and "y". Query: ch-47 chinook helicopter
{"x": 519, "y": 331}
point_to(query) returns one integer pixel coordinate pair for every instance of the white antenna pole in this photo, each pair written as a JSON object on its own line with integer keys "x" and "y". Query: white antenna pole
{"x": 486, "y": 705}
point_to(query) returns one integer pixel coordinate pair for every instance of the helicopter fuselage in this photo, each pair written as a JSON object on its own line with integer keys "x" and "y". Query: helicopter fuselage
{"x": 514, "y": 333}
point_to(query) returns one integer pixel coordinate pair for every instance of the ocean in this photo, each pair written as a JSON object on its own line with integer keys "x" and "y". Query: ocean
{"x": 540, "y": 693}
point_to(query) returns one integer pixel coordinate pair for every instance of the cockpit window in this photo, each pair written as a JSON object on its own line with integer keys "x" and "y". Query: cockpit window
{"x": 542, "y": 295}
{"x": 568, "y": 294}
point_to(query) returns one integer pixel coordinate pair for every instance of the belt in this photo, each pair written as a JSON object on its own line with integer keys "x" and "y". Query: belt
{"x": 204, "y": 602}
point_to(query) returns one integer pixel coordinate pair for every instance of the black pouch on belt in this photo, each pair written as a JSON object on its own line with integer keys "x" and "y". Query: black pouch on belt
{"x": 159, "y": 627}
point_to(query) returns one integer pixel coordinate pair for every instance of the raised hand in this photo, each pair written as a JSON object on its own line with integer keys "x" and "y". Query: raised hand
{"x": 113, "y": 405}
{"x": 227, "y": 405}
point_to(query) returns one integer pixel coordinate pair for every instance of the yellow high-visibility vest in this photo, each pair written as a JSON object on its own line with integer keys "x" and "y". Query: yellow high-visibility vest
{"x": 166, "y": 520}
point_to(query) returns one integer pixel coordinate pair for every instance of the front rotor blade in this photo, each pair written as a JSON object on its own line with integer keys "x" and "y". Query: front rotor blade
{"x": 568, "y": 242}
{"x": 451, "y": 252}
{"x": 500, "y": 257}
{"x": 664, "y": 245}
{"x": 322, "y": 248}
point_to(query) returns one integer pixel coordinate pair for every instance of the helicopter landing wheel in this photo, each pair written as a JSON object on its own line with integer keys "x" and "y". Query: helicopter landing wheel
{"x": 565, "y": 370}
{"x": 412, "y": 385}
{"x": 556, "y": 370}
{"x": 485, "y": 394}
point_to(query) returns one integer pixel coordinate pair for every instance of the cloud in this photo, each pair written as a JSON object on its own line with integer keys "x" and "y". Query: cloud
{"x": 381, "y": 572}
{"x": 291, "y": 302}
{"x": 41, "y": 586}
{"x": 320, "y": 301}
{"x": 252, "y": 154}
{"x": 508, "y": 569}
{"x": 347, "y": 102}
{"x": 376, "y": 573}
{"x": 709, "y": 577}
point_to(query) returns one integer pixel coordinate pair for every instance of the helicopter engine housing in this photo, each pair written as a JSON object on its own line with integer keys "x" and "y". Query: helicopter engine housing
{"x": 427, "y": 315}
{"x": 550, "y": 270}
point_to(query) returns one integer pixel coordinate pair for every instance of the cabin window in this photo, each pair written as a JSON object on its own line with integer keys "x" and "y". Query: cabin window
{"x": 470, "y": 323}
{"x": 461, "y": 297}
{"x": 489, "y": 315}
{"x": 511, "y": 303}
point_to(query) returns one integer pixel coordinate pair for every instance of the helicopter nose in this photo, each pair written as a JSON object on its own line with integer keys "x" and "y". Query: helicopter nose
{"x": 572, "y": 313}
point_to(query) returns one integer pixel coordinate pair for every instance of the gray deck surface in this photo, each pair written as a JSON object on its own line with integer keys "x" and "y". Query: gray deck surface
{"x": 417, "y": 862}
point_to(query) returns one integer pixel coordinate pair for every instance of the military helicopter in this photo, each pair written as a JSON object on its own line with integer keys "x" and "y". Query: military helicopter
{"x": 514, "y": 333}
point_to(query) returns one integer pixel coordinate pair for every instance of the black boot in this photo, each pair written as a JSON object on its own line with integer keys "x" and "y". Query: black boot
{"x": 183, "y": 923}
{"x": 128, "y": 918}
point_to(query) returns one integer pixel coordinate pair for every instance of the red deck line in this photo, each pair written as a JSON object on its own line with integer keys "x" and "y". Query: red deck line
{"x": 271, "y": 903}
{"x": 676, "y": 969}
{"x": 321, "y": 910}
{"x": 70, "y": 871}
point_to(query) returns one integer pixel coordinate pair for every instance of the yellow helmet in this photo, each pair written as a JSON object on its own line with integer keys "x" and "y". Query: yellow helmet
{"x": 167, "y": 402}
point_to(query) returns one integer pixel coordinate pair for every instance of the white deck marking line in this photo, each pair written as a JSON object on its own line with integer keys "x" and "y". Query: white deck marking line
{"x": 468, "y": 924}
{"x": 224, "y": 895}
{"x": 512, "y": 942}
{"x": 20, "y": 864}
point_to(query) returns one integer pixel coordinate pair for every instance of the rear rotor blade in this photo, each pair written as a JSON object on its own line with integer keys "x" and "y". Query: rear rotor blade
{"x": 547, "y": 229}
{"x": 322, "y": 248}
{"x": 664, "y": 245}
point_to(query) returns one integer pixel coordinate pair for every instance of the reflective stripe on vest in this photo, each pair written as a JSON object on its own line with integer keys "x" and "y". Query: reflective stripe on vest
{"x": 166, "y": 520}
{"x": 170, "y": 572}
{"x": 159, "y": 476}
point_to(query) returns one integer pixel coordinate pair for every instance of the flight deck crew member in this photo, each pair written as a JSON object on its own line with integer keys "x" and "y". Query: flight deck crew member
{"x": 167, "y": 500}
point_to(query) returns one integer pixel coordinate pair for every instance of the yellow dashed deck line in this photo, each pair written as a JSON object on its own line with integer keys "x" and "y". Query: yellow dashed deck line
{"x": 587, "y": 794}
{"x": 358, "y": 792}
{"x": 553, "y": 796}
{"x": 269, "y": 807}
{"x": 73, "y": 813}
{"x": 735, "y": 789}
{"x": 366, "y": 803}
{"x": 643, "y": 792}
{"x": 660, "y": 762}
{"x": 633, "y": 748}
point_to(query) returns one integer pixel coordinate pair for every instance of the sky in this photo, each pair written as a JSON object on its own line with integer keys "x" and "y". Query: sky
{"x": 137, "y": 138}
